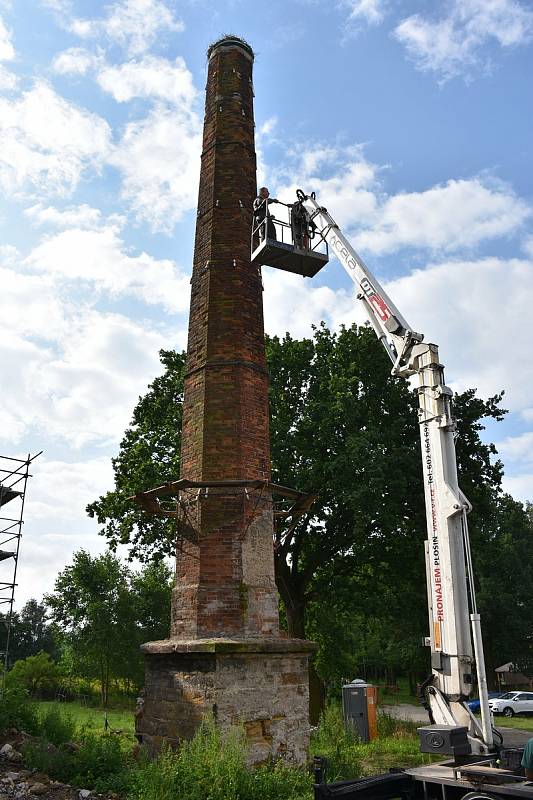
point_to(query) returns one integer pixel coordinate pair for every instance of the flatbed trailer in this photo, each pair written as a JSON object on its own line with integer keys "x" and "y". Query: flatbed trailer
{"x": 440, "y": 781}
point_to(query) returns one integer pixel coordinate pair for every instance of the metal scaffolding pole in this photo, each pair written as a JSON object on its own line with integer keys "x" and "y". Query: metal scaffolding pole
{"x": 14, "y": 475}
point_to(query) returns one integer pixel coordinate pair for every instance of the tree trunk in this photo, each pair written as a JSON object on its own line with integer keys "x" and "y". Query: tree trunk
{"x": 295, "y": 621}
{"x": 292, "y": 593}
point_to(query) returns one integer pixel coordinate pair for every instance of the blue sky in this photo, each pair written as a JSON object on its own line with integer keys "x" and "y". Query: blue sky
{"x": 412, "y": 122}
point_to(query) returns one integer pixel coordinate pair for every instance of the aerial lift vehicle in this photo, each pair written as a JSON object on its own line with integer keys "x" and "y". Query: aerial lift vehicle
{"x": 454, "y": 622}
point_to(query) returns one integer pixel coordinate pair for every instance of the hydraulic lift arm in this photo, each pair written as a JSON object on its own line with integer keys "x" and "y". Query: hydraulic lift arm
{"x": 455, "y": 634}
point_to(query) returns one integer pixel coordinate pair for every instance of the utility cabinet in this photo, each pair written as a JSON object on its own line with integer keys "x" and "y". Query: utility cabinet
{"x": 359, "y": 706}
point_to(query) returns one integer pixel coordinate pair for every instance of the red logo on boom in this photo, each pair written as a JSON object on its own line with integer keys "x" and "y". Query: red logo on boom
{"x": 380, "y": 307}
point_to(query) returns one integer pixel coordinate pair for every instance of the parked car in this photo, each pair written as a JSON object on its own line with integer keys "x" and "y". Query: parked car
{"x": 512, "y": 703}
{"x": 474, "y": 705}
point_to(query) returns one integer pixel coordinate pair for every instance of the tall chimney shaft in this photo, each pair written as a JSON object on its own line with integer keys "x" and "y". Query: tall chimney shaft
{"x": 225, "y": 580}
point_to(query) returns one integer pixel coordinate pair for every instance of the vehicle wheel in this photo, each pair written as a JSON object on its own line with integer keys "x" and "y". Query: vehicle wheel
{"x": 478, "y": 796}
{"x": 508, "y": 712}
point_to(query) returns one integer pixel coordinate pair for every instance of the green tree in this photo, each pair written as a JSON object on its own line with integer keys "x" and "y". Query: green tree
{"x": 505, "y": 586}
{"x": 91, "y": 605}
{"x": 31, "y": 632}
{"x": 342, "y": 425}
{"x": 149, "y": 598}
{"x": 36, "y": 674}
{"x": 105, "y": 612}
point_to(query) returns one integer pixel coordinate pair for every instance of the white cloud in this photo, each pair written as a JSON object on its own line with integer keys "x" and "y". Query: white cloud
{"x": 369, "y": 11}
{"x": 9, "y": 255}
{"x": 455, "y": 44}
{"x": 47, "y": 143}
{"x": 43, "y": 314}
{"x": 61, "y": 489}
{"x": 295, "y": 304}
{"x": 268, "y": 126}
{"x": 342, "y": 178}
{"x": 132, "y": 24}
{"x": 75, "y": 373}
{"x": 8, "y": 80}
{"x": 474, "y": 311}
{"x": 7, "y": 51}
{"x": 159, "y": 158}
{"x": 55, "y": 521}
{"x": 527, "y": 246}
{"x": 59, "y": 6}
{"x": 98, "y": 258}
{"x": 82, "y": 216}
{"x": 150, "y": 77}
{"x": 519, "y": 486}
{"x": 86, "y": 392}
{"x": 451, "y": 216}
{"x": 457, "y": 214}
{"x": 75, "y": 61}
{"x": 517, "y": 448}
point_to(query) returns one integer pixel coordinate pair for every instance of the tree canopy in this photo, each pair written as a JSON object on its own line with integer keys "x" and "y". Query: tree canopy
{"x": 31, "y": 632}
{"x": 105, "y": 612}
{"x": 351, "y": 574}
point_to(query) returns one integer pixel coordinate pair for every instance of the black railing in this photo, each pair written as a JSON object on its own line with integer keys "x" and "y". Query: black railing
{"x": 294, "y": 232}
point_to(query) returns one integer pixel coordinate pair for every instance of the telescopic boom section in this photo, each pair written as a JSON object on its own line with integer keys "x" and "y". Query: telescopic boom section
{"x": 453, "y": 618}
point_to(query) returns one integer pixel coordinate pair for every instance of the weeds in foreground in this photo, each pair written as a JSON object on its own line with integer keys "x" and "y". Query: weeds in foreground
{"x": 16, "y": 711}
{"x": 338, "y": 745}
{"x": 212, "y": 766}
{"x": 57, "y": 726}
{"x": 347, "y": 757}
{"x": 97, "y": 762}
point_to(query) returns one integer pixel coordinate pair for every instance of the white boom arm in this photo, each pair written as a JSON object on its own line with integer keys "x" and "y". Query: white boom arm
{"x": 454, "y": 621}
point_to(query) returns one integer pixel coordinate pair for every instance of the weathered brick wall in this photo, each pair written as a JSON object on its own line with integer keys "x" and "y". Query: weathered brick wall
{"x": 224, "y": 587}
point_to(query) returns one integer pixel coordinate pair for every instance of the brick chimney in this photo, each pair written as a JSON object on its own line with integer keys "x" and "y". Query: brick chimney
{"x": 225, "y": 580}
{"x": 225, "y": 656}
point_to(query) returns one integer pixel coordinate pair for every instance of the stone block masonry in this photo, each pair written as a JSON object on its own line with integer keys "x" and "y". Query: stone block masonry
{"x": 261, "y": 685}
{"x": 225, "y": 656}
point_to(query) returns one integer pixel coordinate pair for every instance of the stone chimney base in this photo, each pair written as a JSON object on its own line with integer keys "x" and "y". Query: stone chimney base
{"x": 259, "y": 684}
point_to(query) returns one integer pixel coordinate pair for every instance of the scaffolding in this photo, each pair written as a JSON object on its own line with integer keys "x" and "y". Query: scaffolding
{"x": 14, "y": 474}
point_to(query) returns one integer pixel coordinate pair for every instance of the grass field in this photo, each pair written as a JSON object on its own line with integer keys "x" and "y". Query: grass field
{"x": 402, "y": 695}
{"x": 90, "y": 718}
{"x": 522, "y": 723}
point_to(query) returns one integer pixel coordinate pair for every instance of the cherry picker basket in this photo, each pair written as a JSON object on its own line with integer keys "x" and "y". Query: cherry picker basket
{"x": 292, "y": 245}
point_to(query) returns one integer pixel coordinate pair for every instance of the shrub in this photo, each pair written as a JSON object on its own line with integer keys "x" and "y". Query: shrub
{"x": 38, "y": 675}
{"x": 337, "y": 744}
{"x": 98, "y": 764}
{"x": 397, "y": 728}
{"x": 212, "y": 766}
{"x": 278, "y": 780}
{"x": 57, "y": 763}
{"x": 101, "y": 763}
{"x": 17, "y": 711}
{"x": 57, "y": 726}
{"x": 209, "y": 767}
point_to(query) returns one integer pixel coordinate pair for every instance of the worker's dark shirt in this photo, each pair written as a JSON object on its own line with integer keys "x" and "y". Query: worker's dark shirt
{"x": 260, "y": 206}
